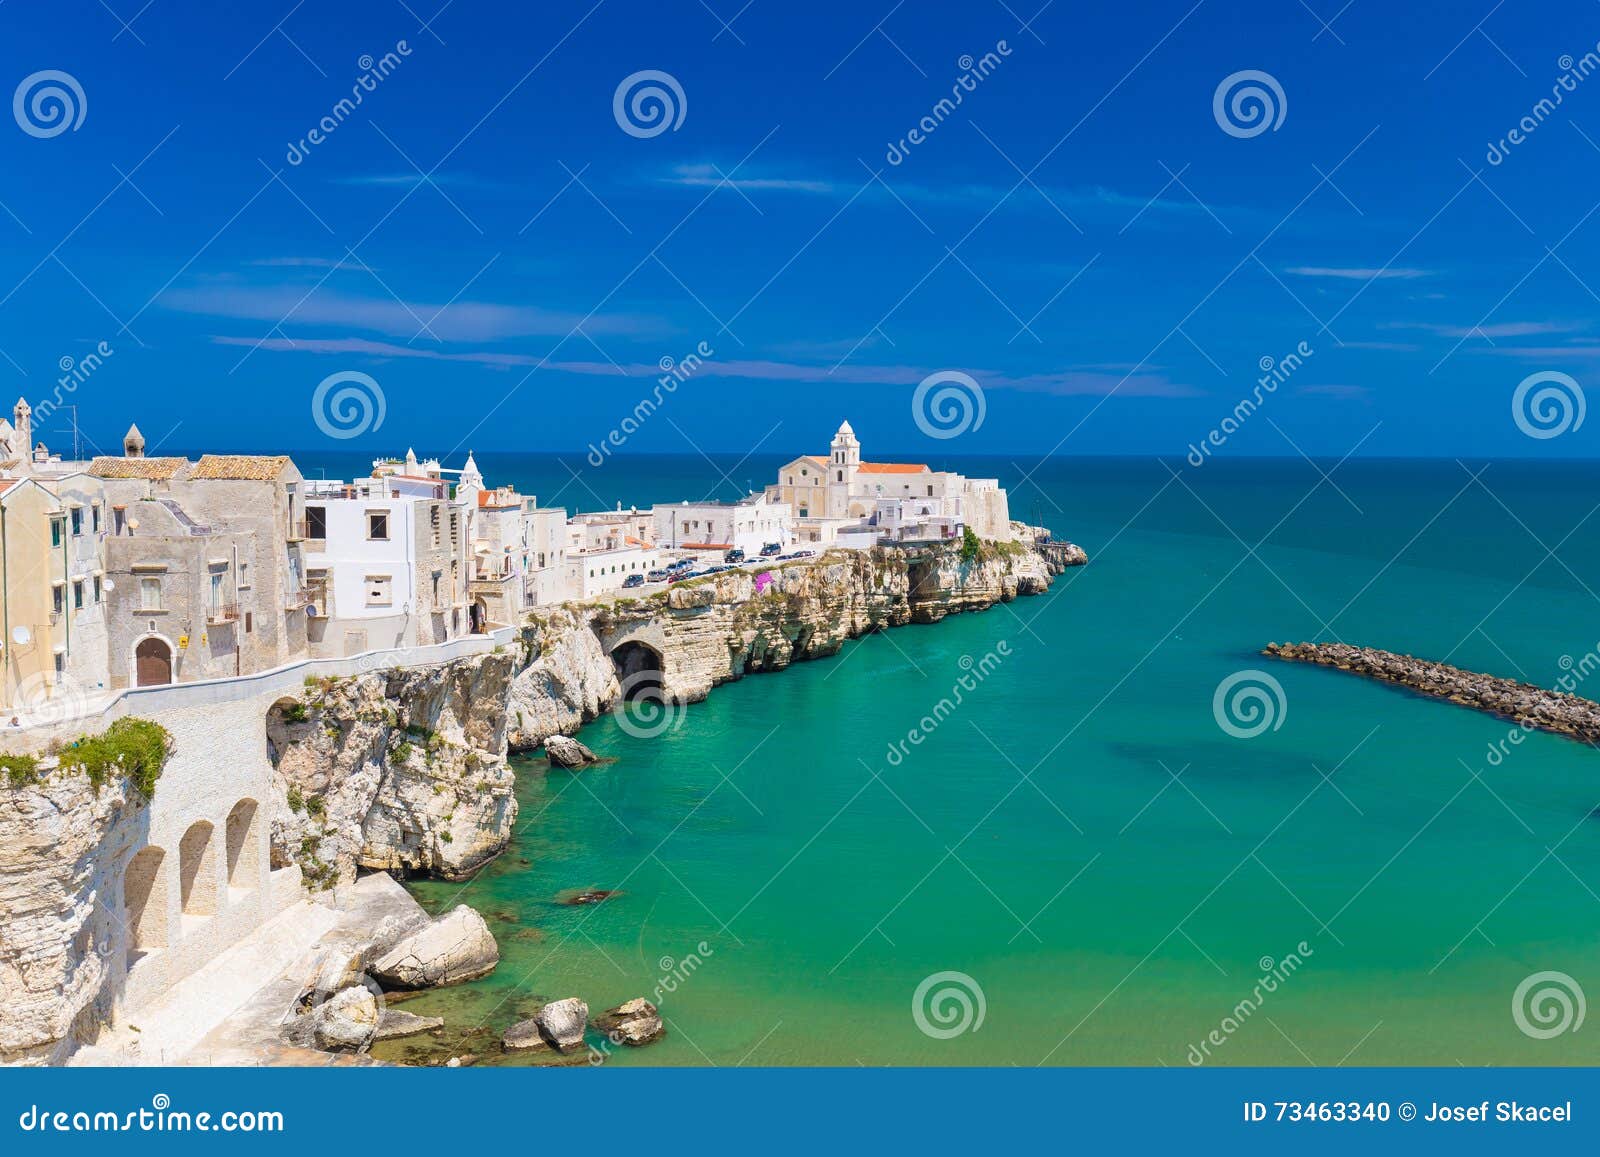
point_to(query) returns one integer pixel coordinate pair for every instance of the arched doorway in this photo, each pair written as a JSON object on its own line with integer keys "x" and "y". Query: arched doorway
{"x": 244, "y": 854}
{"x": 144, "y": 897}
{"x": 479, "y": 615}
{"x": 197, "y": 870}
{"x": 152, "y": 662}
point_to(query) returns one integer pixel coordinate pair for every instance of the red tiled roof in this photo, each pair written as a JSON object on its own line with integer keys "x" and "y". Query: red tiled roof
{"x": 892, "y": 468}
{"x": 707, "y": 546}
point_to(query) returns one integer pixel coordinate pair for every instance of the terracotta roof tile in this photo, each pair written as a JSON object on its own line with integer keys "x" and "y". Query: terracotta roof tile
{"x": 156, "y": 469}
{"x": 892, "y": 468}
{"x": 239, "y": 467}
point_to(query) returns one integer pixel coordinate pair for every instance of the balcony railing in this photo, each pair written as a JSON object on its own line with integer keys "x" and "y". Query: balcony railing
{"x": 219, "y": 613}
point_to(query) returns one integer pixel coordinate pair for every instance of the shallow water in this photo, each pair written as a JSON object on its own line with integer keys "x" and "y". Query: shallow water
{"x": 1081, "y": 838}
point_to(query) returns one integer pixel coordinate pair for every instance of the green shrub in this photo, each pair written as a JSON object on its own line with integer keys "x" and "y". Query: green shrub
{"x": 21, "y": 770}
{"x": 971, "y": 544}
{"x": 315, "y": 807}
{"x": 402, "y": 752}
{"x": 296, "y": 801}
{"x": 137, "y": 748}
{"x": 296, "y": 713}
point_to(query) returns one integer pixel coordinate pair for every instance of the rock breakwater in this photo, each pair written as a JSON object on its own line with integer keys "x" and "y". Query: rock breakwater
{"x": 1530, "y": 707}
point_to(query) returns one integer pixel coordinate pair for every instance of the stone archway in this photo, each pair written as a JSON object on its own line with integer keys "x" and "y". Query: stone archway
{"x": 144, "y": 899}
{"x": 639, "y": 670}
{"x": 244, "y": 853}
{"x": 197, "y": 870}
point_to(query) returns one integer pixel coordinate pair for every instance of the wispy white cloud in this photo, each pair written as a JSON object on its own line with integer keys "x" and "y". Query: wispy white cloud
{"x": 1061, "y": 383}
{"x": 707, "y": 175}
{"x": 458, "y": 321}
{"x": 1357, "y": 273}
{"x": 1492, "y": 331}
{"x": 1088, "y": 199}
{"x": 350, "y": 263}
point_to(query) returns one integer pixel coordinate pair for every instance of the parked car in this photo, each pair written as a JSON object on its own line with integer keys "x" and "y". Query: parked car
{"x": 805, "y": 554}
{"x": 657, "y": 576}
{"x": 734, "y": 555}
{"x": 633, "y": 580}
{"x": 771, "y": 549}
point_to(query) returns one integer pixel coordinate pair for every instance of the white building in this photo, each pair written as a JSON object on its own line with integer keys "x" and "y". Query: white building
{"x": 594, "y": 571}
{"x": 841, "y": 493}
{"x": 748, "y": 524}
{"x": 387, "y": 563}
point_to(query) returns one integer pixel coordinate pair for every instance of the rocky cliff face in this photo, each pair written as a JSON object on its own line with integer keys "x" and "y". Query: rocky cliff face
{"x": 402, "y": 769}
{"x": 62, "y": 943}
{"x": 407, "y": 769}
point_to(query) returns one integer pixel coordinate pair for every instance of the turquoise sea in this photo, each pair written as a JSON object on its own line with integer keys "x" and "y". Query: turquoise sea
{"x": 1081, "y": 839}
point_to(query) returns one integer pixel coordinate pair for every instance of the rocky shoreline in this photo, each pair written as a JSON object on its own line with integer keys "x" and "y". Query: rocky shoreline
{"x": 408, "y": 770}
{"x": 1528, "y": 706}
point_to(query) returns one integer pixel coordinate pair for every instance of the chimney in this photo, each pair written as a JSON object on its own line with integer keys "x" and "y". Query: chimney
{"x": 133, "y": 443}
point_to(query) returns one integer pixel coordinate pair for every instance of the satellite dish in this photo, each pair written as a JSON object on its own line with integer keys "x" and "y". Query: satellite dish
{"x": 311, "y": 612}
{"x": 109, "y": 585}
{"x": 21, "y": 636}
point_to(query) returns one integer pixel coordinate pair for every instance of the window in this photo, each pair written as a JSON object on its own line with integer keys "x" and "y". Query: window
{"x": 149, "y": 594}
{"x": 55, "y": 532}
{"x": 380, "y": 590}
{"x": 249, "y": 622}
{"x": 117, "y": 516}
{"x": 378, "y": 525}
{"x": 244, "y": 576}
{"x": 216, "y": 591}
{"x": 61, "y": 664}
{"x": 94, "y": 518}
{"x": 841, "y": 475}
{"x": 97, "y": 588}
{"x": 77, "y": 522}
{"x": 930, "y": 492}
{"x": 77, "y": 594}
{"x": 57, "y": 599}
{"x": 316, "y": 522}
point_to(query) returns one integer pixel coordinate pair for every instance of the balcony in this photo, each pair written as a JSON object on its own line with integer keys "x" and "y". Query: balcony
{"x": 219, "y": 613}
{"x": 303, "y": 530}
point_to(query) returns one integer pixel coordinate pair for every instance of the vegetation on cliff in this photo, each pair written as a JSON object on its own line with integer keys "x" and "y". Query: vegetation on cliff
{"x": 136, "y": 748}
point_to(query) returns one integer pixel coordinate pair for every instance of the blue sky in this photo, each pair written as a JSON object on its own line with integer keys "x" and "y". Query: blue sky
{"x": 1118, "y": 300}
